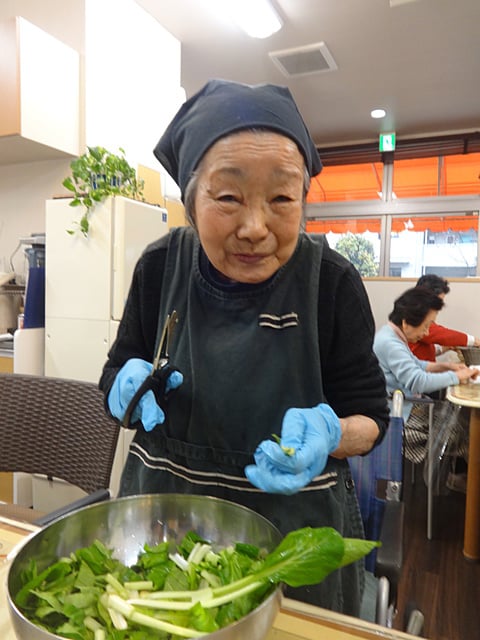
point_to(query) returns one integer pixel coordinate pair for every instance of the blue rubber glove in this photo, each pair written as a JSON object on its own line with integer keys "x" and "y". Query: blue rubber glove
{"x": 311, "y": 435}
{"x": 128, "y": 380}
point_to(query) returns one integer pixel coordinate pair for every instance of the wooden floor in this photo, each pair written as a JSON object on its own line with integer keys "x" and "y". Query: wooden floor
{"x": 436, "y": 576}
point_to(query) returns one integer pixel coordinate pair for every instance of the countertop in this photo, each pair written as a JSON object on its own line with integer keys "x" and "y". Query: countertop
{"x": 6, "y": 348}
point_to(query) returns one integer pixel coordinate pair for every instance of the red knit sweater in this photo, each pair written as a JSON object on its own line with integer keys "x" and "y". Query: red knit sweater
{"x": 425, "y": 349}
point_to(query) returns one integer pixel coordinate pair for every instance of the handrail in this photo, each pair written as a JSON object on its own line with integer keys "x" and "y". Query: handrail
{"x": 397, "y": 404}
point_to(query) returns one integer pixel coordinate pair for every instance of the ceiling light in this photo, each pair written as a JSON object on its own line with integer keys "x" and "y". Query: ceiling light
{"x": 256, "y": 17}
{"x": 378, "y": 113}
{"x": 395, "y": 3}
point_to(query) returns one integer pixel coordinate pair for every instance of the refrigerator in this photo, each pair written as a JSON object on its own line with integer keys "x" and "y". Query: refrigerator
{"x": 87, "y": 282}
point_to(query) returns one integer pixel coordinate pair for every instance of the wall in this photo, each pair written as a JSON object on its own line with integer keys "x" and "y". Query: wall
{"x": 461, "y": 304}
{"x": 63, "y": 20}
{"x": 131, "y": 92}
{"x": 23, "y": 191}
{"x": 132, "y": 79}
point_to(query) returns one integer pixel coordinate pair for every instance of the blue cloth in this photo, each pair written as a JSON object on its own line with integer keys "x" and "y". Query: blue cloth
{"x": 221, "y": 108}
{"x": 34, "y": 315}
{"x": 384, "y": 462}
{"x": 405, "y": 371}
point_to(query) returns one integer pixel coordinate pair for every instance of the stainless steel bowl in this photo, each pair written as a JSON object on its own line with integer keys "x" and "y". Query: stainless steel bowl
{"x": 471, "y": 355}
{"x": 126, "y": 524}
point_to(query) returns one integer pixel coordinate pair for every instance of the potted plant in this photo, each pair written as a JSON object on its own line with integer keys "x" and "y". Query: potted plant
{"x": 96, "y": 175}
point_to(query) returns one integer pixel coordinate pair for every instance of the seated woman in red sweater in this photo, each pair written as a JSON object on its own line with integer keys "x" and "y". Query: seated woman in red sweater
{"x": 438, "y": 336}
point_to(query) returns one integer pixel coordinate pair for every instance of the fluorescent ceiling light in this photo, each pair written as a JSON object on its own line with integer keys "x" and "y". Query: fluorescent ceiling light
{"x": 396, "y": 3}
{"x": 256, "y": 17}
{"x": 378, "y": 113}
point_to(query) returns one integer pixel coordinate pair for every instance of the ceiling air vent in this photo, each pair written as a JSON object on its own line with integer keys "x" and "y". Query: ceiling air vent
{"x": 300, "y": 61}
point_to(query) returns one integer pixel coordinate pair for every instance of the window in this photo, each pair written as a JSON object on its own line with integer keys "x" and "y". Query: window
{"x": 403, "y": 213}
{"x": 446, "y": 245}
{"x": 356, "y": 239}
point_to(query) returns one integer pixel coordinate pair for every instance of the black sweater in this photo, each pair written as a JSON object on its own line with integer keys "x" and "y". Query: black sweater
{"x": 352, "y": 379}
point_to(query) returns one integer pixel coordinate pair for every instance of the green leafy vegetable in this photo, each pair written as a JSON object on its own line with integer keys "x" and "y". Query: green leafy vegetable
{"x": 288, "y": 451}
{"x": 186, "y": 594}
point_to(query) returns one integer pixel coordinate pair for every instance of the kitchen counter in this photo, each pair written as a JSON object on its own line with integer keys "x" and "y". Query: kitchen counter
{"x": 6, "y": 356}
{"x": 295, "y": 621}
{"x": 300, "y": 621}
{"x": 6, "y": 348}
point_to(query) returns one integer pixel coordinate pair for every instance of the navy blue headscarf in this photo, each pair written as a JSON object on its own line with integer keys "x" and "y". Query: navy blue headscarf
{"x": 221, "y": 108}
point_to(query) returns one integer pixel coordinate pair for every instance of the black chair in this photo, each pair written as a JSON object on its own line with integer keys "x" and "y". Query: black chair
{"x": 57, "y": 428}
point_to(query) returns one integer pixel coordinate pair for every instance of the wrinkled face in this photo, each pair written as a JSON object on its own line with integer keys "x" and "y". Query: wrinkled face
{"x": 414, "y": 334}
{"x": 249, "y": 204}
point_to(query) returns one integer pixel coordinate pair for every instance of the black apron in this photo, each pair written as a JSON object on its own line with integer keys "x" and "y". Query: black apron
{"x": 246, "y": 356}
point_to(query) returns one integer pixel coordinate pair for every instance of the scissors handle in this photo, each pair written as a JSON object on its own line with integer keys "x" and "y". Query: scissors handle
{"x": 155, "y": 382}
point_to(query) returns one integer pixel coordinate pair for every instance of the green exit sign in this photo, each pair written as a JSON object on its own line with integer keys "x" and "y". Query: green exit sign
{"x": 387, "y": 142}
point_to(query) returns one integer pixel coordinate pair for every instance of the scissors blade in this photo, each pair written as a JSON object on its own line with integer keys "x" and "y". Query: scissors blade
{"x": 161, "y": 357}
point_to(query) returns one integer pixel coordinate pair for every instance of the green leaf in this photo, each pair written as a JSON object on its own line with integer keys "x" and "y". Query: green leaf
{"x": 53, "y": 572}
{"x": 305, "y": 556}
{"x": 190, "y": 539}
{"x": 97, "y": 558}
{"x": 356, "y": 549}
{"x": 202, "y": 619}
{"x": 68, "y": 184}
{"x": 153, "y": 556}
{"x": 249, "y": 550}
{"x": 67, "y": 630}
{"x": 99, "y": 174}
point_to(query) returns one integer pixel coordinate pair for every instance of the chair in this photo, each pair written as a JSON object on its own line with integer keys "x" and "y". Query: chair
{"x": 439, "y": 428}
{"x": 58, "y": 428}
{"x": 378, "y": 478}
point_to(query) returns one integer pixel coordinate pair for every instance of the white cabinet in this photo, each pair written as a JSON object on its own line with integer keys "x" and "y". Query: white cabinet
{"x": 88, "y": 278}
{"x": 40, "y": 89}
{"x": 87, "y": 282}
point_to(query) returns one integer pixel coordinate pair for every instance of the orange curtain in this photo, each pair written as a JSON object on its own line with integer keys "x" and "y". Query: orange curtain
{"x": 343, "y": 226}
{"x": 414, "y": 224}
{"x": 436, "y": 224}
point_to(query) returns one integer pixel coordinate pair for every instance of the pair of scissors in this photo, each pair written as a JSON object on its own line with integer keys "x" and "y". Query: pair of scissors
{"x": 161, "y": 371}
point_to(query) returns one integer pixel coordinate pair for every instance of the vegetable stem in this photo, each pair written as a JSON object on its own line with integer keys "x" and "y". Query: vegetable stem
{"x": 125, "y": 609}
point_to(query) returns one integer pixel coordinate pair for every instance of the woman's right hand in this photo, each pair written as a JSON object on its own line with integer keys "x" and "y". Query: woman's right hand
{"x": 466, "y": 373}
{"x": 128, "y": 380}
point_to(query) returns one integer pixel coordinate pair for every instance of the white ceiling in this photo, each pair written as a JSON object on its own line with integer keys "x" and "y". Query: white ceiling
{"x": 418, "y": 59}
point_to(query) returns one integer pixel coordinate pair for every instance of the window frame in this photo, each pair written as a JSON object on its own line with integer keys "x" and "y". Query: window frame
{"x": 386, "y": 209}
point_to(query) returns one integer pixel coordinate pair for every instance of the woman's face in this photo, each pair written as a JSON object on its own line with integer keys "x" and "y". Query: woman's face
{"x": 414, "y": 334}
{"x": 249, "y": 204}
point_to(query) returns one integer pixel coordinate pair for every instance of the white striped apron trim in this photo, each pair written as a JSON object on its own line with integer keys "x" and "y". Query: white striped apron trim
{"x": 210, "y": 478}
{"x": 278, "y": 322}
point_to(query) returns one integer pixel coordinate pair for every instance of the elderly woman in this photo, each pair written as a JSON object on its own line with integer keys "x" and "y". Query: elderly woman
{"x": 266, "y": 316}
{"x": 439, "y": 339}
{"x": 409, "y": 322}
{"x": 414, "y": 312}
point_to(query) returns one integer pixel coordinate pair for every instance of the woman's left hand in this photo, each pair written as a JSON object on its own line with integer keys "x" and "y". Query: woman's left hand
{"x": 308, "y": 438}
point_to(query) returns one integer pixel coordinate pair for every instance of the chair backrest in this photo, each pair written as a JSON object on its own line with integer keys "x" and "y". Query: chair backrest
{"x": 58, "y": 428}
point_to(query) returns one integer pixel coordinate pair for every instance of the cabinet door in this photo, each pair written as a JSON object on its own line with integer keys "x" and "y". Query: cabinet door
{"x": 40, "y": 89}
{"x": 78, "y": 269}
{"x": 76, "y": 348}
{"x": 135, "y": 225}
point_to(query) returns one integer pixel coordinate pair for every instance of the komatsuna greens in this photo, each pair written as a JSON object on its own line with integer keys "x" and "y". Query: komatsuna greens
{"x": 192, "y": 592}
